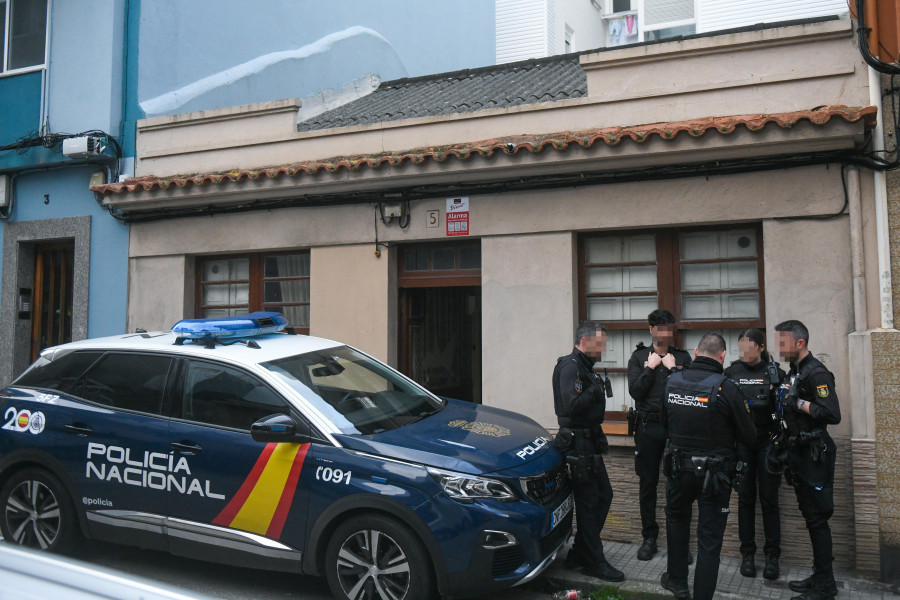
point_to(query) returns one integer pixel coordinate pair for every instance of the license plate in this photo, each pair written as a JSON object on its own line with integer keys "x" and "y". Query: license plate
{"x": 561, "y": 511}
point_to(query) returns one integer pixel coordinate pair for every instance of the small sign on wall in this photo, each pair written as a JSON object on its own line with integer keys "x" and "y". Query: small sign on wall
{"x": 457, "y": 216}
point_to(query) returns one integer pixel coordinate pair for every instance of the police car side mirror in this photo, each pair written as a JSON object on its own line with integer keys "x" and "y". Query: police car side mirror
{"x": 280, "y": 428}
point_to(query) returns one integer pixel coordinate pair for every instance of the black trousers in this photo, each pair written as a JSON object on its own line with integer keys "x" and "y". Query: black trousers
{"x": 816, "y": 503}
{"x": 592, "y": 501}
{"x": 713, "y": 516}
{"x": 649, "y": 445}
{"x": 758, "y": 479}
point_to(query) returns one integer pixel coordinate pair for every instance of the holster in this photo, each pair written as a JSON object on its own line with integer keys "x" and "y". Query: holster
{"x": 715, "y": 477}
{"x": 579, "y": 468}
{"x": 739, "y": 472}
{"x": 789, "y": 478}
{"x": 631, "y": 418}
{"x": 671, "y": 462}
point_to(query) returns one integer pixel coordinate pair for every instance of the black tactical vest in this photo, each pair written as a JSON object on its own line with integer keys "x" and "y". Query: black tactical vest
{"x": 799, "y": 422}
{"x": 693, "y": 423}
{"x": 755, "y": 386}
{"x": 592, "y": 416}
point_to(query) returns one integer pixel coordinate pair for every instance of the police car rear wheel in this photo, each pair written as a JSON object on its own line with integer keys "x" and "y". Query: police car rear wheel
{"x": 377, "y": 558}
{"x": 37, "y": 512}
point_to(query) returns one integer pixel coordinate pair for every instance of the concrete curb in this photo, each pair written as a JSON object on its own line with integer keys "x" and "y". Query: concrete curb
{"x": 642, "y": 578}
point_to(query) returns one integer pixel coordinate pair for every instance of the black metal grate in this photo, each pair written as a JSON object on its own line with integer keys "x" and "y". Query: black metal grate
{"x": 547, "y": 487}
{"x": 507, "y": 560}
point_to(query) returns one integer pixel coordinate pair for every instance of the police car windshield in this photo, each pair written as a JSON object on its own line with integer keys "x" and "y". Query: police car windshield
{"x": 356, "y": 393}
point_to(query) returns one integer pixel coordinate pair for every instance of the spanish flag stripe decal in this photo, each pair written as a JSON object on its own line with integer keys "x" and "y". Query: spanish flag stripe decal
{"x": 287, "y": 496}
{"x": 257, "y": 512}
{"x": 230, "y": 511}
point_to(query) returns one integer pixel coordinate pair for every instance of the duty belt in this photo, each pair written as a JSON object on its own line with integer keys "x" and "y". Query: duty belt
{"x": 812, "y": 440}
{"x": 688, "y": 464}
{"x": 805, "y": 438}
{"x": 585, "y": 432}
{"x": 646, "y": 416}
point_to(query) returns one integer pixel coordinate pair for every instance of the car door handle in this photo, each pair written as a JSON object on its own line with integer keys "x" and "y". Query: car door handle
{"x": 79, "y": 429}
{"x": 187, "y": 447}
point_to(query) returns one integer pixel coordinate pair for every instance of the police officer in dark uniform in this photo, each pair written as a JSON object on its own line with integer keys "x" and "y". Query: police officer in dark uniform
{"x": 648, "y": 370}
{"x": 809, "y": 404}
{"x": 759, "y": 377}
{"x": 580, "y": 401}
{"x": 704, "y": 414}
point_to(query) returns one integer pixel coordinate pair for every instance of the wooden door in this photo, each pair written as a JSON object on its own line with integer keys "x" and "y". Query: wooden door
{"x": 51, "y": 316}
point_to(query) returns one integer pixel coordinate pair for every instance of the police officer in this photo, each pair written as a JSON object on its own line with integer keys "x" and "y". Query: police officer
{"x": 648, "y": 370}
{"x": 703, "y": 414}
{"x": 580, "y": 402}
{"x": 809, "y": 405}
{"x": 759, "y": 377}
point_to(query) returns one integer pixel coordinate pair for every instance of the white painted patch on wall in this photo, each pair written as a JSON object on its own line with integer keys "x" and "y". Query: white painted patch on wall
{"x": 171, "y": 101}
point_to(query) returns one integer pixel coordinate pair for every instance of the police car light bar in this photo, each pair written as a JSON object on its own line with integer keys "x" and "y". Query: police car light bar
{"x": 239, "y": 326}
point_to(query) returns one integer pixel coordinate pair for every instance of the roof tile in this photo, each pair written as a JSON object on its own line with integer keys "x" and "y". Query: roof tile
{"x": 560, "y": 141}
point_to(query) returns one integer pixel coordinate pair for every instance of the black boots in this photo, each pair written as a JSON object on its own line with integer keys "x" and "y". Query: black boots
{"x": 771, "y": 571}
{"x": 679, "y": 587}
{"x": 818, "y": 586}
{"x": 748, "y": 566}
{"x": 604, "y": 571}
{"x": 647, "y": 550}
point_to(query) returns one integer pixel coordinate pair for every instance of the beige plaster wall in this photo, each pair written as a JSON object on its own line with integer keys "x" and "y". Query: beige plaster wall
{"x": 529, "y": 288}
{"x": 160, "y": 291}
{"x": 808, "y": 278}
{"x": 678, "y": 202}
{"x": 352, "y": 299}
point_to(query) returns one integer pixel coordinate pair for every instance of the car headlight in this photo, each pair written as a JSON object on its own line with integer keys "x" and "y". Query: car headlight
{"x": 468, "y": 488}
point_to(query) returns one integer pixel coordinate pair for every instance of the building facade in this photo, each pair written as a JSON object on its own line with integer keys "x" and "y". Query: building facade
{"x": 459, "y": 225}
{"x": 64, "y": 258}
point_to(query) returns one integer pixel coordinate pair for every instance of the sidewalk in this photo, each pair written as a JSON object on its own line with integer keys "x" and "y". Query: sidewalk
{"x": 643, "y": 578}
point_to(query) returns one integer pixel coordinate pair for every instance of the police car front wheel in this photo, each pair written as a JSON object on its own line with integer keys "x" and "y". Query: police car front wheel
{"x": 377, "y": 558}
{"x": 37, "y": 512}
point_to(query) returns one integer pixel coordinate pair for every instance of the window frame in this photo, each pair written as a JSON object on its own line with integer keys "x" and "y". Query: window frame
{"x": 256, "y": 281}
{"x": 176, "y": 411}
{"x": 6, "y": 41}
{"x": 163, "y": 409}
{"x": 649, "y": 29}
{"x": 441, "y": 277}
{"x": 668, "y": 289}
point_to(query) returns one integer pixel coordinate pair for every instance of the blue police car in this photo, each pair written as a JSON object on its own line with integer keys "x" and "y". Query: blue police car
{"x": 228, "y": 441}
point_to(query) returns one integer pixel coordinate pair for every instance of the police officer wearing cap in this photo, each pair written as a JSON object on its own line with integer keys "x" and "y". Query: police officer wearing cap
{"x": 704, "y": 415}
{"x": 759, "y": 377}
{"x": 809, "y": 404}
{"x": 580, "y": 402}
{"x": 648, "y": 370}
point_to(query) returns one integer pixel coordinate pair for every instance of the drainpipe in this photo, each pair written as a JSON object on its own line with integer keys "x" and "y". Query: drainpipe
{"x": 860, "y": 323}
{"x": 45, "y": 75}
{"x": 881, "y": 213}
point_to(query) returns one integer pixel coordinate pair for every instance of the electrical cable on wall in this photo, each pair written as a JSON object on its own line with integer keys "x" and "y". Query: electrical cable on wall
{"x": 53, "y": 141}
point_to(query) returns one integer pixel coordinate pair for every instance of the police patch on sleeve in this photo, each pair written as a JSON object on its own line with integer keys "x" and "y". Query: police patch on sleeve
{"x": 578, "y": 386}
{"x": 822, "y": 391}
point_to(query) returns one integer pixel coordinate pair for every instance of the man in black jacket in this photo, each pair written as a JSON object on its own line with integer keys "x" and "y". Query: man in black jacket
{"x": 704, "y": 414}
{"x": 580, "y": 402}
{"x": 809, "y": 405}
{"x": 648, "y": 370}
